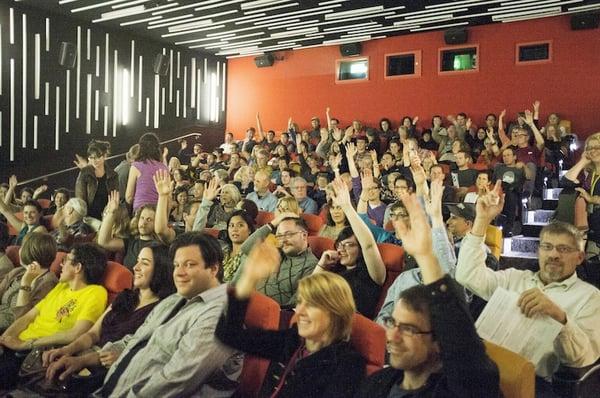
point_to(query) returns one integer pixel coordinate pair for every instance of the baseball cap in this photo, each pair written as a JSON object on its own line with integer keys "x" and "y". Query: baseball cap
{"x": 463, "y": 210}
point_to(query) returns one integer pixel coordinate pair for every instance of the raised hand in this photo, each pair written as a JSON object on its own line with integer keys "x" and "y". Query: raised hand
{"x": 80, "y": 161}
{"x": 165, "y": 152}
{"x": 211, "y": 189}
{"x": 340, "y": 195}
{"x": 415, "y": 120}
{"x": 433, "y": 206}
{"x": 351, "y": 150}
{"x": 12, "y": 181}
{"x": 162, "y": 182}
{"x": 113, "y": 202}
{"x": 502, "y": 114}
{"x": 324, "y": 134}
{"x": 469, "y": 123}
{"x": 536, "y": 106}
{"x": 264, "y": 259}
{"x": 349, "y": 132}
{"x": 418, "y": 172}
{"x": 490, "y": 205}
{"x": 528, "y": 117}
{"x": 416, "y": 235}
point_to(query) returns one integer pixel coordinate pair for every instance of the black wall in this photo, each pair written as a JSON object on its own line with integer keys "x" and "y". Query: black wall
{"x": 29, "y": 162}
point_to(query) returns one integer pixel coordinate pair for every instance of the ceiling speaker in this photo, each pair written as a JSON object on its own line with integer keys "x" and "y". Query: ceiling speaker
{"x": 67, "y": 55}
{"x": 585, "y": 21}
{"x": 161, "y": 65}
{"x": 456, "y": 36}
{"x": 264, "y": 61}
{"x": 350, "y": 49}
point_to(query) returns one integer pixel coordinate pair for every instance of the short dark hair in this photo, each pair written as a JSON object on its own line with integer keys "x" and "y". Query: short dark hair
{"x": 209, "y": 247}
{"x": 39, "y": 247}
{"x": 298, "y": 221}
{"x": 33, "y": 203}
{"x": 161, "y": 283}
{"x": 64, "y": 191}
{"x": 98, "y": 148}
{"x": 336, "y": 119}
{"x": 330, "y": 221}
{"x": 28, "y": 190}
{"x": 346, "y": 233}
{"x": 93, "y": 261}
{"x": 462, "y": 114}
{"x": 418, "y": 299}
{"x": 244, "y": 215}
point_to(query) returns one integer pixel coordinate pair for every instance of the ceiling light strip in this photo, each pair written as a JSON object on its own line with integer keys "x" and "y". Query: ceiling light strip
{"x": 97, "y": 5}
{"x": 130, "y": 3}
{"x": 323, "y": 3}
{"x": 260, "y": 3}
{"x": 304, "y": 39}
{"x": 496, "y": 17}
{"x": 193, "y": 31}
{"x": 464, "y": 3}
{"x": 133, "y": 13}
{"x": 206, "y": 38}
{"x": 276, "y": 25}
{"x": 523, "y": 6}
{"x": 343, "y": 20}
{"x": 272, "y": 8}
{"x": 357, "y": 11}
{"x": 306, "y": 12}
{"x": 539, "y": 4}
{"x": 156, "y": 24}
{"x": 137, "y": 21}
{"x": 439, "y": 26}
{"x": 191, "y": 25}
{"x": 285, "y": 23}
{"x": 586, "y": 7}
{"x": 348, "y": 26}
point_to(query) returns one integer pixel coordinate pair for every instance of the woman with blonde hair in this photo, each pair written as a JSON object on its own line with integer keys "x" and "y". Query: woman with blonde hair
{"x": 287, "y": 204}
{"x": 243, "y": 179}
{"x": 312, "y": 358}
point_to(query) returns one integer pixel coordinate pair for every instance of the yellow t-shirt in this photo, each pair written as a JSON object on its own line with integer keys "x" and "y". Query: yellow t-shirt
{"x": 63, "y": 307}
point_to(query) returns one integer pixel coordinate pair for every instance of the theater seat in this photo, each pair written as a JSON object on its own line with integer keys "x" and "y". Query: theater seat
{"x": 11, "y": 230}
{"x": 517, "y": 374}
{"x": 47, "y": 222}
{"x": 116, "y": 279}
{"x": 212, "y": 232}
{"x": 45, "y": 203}
{"x": 12, "y": 252}
{"x": 318, "y": 244}
{"x": 479, "y": 166}
{"x": 56, "y": 264}
{"x": 313, "y": 222}
{"x": 264, "y": 217}
{"x": 393, "y": 258}
{"x": 263, "y": 312}
{"x": 493, "y": 239}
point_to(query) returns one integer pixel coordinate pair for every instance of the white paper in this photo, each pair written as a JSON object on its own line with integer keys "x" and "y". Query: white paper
{"x": 503, "y": 323}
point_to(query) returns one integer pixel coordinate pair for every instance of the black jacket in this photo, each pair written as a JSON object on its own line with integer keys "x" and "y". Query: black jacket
{"x": 466, "y": 372}
{"x": 332, "y": 372}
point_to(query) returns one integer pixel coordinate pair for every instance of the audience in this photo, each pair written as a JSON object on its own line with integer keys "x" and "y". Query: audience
{"x": 264, "y": 199}
{"x": 71, "y": 226}
{"x": 32, "y": 219}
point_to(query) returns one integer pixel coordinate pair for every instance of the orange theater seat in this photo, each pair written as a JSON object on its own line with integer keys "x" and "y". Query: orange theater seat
{"x": 479, "y": 166}
{"x": 212, "y": 232}
{"x": 116, "y": 279}
{"x": 11, "y": 230}
{"x": 318, "y": 244}
{"x": 12, "y": 252}
{"x": 517, "y": 374}
{"x": 45, "y": 203}
{"x": 264, "y": 217}
{"x": 56, "y": 264}
{"x": 313, "y": 222}
{"x": 262, "y": 312}
{"x": 393, "y": 258}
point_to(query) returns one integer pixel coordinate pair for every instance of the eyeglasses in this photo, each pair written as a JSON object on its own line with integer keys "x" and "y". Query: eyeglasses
{"x": 345, "y": 245}
{"x": 287, "y": 235}
{"x": 399, "y": 214}
{"x": 562, "y": 249}
{"x": 405, "y": 329}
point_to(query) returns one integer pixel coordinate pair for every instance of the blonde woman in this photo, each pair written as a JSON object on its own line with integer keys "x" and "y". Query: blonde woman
{"x": 214, "y": 213}
{"x": 287, "y": 204}
{"x": 313, "y": 358}
{"x": 243, "y": 180}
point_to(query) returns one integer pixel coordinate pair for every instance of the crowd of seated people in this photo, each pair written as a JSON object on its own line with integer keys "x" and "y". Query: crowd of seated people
{"x": 301, "y": 219}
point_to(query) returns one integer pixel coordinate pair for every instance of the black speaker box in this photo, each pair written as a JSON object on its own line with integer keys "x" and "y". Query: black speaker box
{"x": 161, "y": 64}
{"x": 456, "y": 36}
{"x": 264, "y": 61}
{"x": 585, "y": 21}
{"x": 350, "y": 49}
{"x": 67, "y": 55}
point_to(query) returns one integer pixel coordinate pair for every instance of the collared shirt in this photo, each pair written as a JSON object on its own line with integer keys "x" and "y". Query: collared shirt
{"x": 268, "y": 202}
{"x": 308, "y": 205}
{"x": 578, "y": 343}
{"x": 182, "y": 357}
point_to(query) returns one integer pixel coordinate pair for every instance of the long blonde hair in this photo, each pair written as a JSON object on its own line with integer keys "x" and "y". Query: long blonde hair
{"x": 330, "y": 292}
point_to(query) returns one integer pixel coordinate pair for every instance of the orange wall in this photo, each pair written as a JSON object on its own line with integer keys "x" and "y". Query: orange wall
{"x": 302, "y": 85}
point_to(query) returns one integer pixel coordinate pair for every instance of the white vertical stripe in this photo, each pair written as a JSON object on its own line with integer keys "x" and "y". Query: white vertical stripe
{"x": 106, "y": 120}
{"x": 218, "y": 72}
{"x": 170, "y": 77}
{"x": 97, "y": 61}
{"x": 177, "y": 103}
{"x": 205, "y": 71}
{"x": 164, "y": 51}
{"x": 68, "y": 101}
{"x": 97, "y": 105}
{"x": 147, "y": 111}
{"x": 132, "y": 74}
{"x": 217, "y": 110}
{"x": 178, "y": 64}
{"x": 36, "y": 67}
{"x": 185, "y": 91}
{"x": 24, "y": 78}
{"x": 223, "y": 86}
{"x": 106, "y": 59}
{"x": 162, "y": 101}
{"x": 47, "y": 34}
{"x": 35, "y": 132}
{"x": 11, "y": 27}
{"x": 156, "y": 100}
{"x": 125, "y": 97}
{"x": 88, "y": 105}
{"x": 47, "y": 98}
{"x": 198, "y": 75}
{"x": 12, "y": 109}
{"x": 89, "y": 45}
{"x": 193, "y": 83}
{"x": 78, "y": 76}
{"x": 57, "y": 116}
{"x": 115, "y": 104}
{"x": 140, "y": 85}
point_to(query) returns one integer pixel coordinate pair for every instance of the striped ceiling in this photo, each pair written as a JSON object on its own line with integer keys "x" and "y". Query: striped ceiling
{"x": 240, "y": 27}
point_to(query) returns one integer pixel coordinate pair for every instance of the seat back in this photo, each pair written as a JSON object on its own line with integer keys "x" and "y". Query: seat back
{"x": 47, "y": 222}
{"x": 56, "y": 264}
{"x": 318, "y": 244}
{"x": 493, "y": 239}
{"x": 262, "y": 312}
{"x": 264, "y": 217}
{"x": 11, "y": 230}
{"x": 12, "y": 252}
{"x": 116, "y": 279}
{"x": 45, "y": 203}
{"x": 393, "y": 259}
{"x": 313, "y": 222}
{"x": 517, "y": 374}
{"x": 479, "y": 166}
{"x": 212, "y": 232}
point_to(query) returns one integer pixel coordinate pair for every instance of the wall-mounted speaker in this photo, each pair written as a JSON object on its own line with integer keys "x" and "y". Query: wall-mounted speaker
{"x": 264, "y": 61}
{"x": 456, "y": 36}
{"x": 585, "y": 21}
{"x": 350, "y": 49}
{"x": 161, "y": 64}
{"x": 67, "y": 55}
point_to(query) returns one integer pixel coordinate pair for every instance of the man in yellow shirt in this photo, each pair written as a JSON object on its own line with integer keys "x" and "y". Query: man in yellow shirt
{"x": 68, "y": 311}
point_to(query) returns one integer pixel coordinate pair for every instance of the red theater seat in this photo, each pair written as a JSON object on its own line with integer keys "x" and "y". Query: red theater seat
{"x": 116, "y": 279}
{"x": 318, "y": 244}
{"x": 393, "y": 258}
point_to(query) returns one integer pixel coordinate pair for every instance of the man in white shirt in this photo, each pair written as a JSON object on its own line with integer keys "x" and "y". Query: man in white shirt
{"x": 554, "y": 291}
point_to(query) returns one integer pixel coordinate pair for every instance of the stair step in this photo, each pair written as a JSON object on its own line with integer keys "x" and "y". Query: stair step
{"x": 533, "y": 229}
{"x": 539, "y": 216}
{"x": 551, "y": 193}
{"x": 521, "y": 244}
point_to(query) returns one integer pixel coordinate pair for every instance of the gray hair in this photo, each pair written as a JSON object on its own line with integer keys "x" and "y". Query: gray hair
{"x": 78, "y": 205}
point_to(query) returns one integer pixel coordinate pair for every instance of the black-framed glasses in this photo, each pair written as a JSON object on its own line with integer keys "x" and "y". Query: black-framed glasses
{"x": 287, "y": 235}
{"x": 345, "y": 245}
{"x": 396, "y": 215}
{"x": 562, "y": 249}
{"x": 404, "y": 328}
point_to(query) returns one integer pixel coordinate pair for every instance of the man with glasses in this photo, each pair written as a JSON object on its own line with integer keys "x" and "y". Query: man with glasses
{"x": 299, "y": 191}
{"x": 434, "y": 349}
{"x": 554, "y": 291}
{"x": 297, "y": 260}
{"x": 67, "y": 311}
